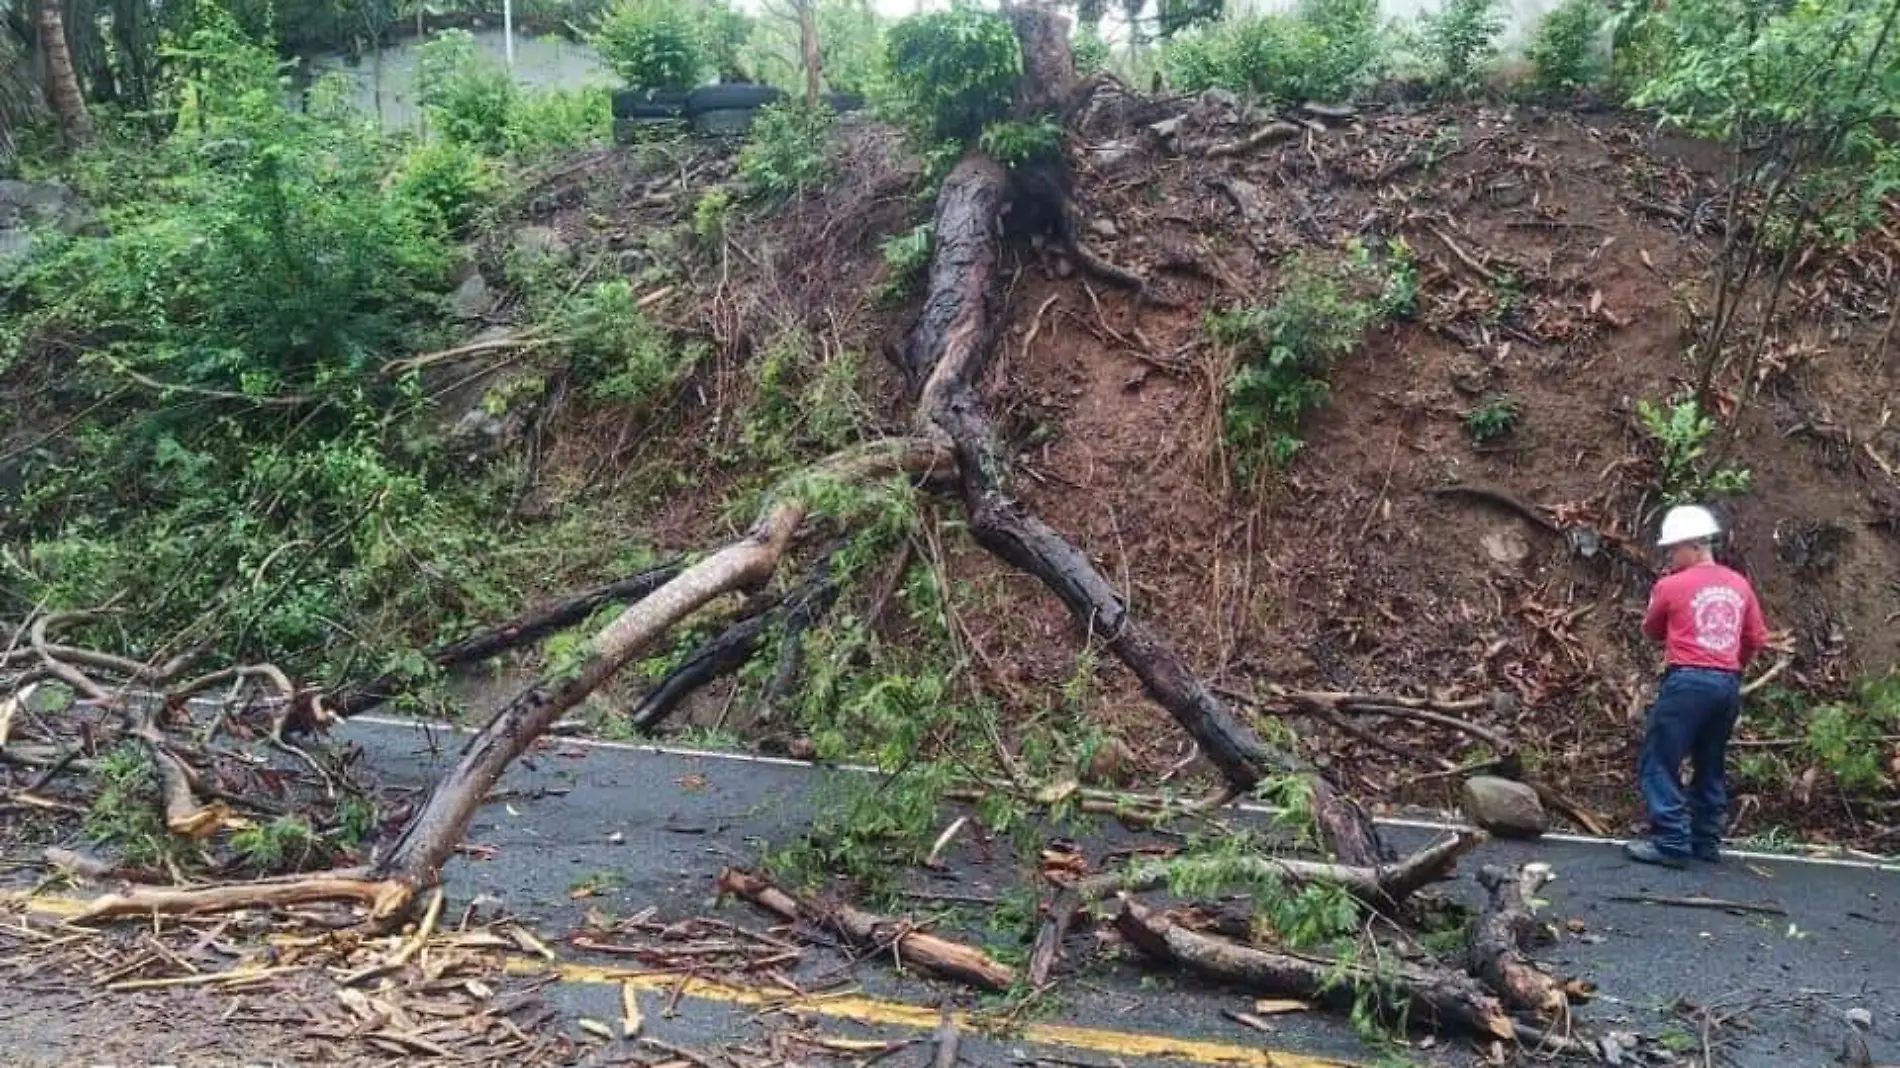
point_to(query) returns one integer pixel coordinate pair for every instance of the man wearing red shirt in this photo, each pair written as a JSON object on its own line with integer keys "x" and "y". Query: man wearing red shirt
{"x": 1710, "y": 624}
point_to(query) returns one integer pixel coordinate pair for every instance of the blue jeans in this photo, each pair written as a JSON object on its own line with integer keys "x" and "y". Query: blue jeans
{"x": 1694, "y": 712}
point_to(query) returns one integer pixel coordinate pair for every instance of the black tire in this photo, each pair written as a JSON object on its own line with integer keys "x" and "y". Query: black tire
{"x": 627, "y": 102}
{"x": 843, "y": 102}
{"x": 731, "y": 98}
{"x": 724, "y": 122}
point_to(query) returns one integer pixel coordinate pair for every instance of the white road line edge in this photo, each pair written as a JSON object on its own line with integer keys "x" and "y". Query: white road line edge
{"x": 1389, "y": 821}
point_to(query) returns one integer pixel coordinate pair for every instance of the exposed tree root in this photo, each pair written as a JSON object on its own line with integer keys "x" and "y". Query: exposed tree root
{"x": 1495, "y": 954}
{"x": 950, "y": 344}
{"x": 1271, "y": 133}
{"x": 527, "y": 627}
{"x": 1430, "y": 998}
{"x": 869, "y": 932}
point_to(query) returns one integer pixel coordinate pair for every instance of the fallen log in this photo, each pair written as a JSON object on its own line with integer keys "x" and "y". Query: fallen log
{"x": 1384, "y": 887}
{"x": 1495, "y": 954}
{"x": 1434, "y": 999}
{"x": 864, "y": 930}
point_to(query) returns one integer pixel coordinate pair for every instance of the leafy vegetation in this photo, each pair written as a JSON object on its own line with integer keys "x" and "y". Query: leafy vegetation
{"x": 1017, "y": 144}
{"x": 1565, "y": 54}
{"x": 953, "y": 72}
{"x": 653, "y": 44}
{"x": 1283, "y": 354}
{"x": 1496, "y": 418}
{"x": 1325, "y": 50}
{"x": 789, "y": 150}
{"x": 1459, "y": 40}
{"x": 1680, "y": 434}
{"x": 907, "y": 257}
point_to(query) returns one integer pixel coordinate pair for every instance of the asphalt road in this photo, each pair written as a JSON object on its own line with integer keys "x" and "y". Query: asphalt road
{"x": 659, "y": 826}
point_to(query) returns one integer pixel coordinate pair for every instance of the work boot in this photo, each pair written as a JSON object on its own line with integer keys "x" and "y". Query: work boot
{"x": 1647, "y": 852}
{"x": 1708, "y": 852}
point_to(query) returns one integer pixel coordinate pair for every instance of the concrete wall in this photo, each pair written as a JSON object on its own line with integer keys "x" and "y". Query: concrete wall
{"x": 1521, "y": 17}
{"x": 389, "y": 87}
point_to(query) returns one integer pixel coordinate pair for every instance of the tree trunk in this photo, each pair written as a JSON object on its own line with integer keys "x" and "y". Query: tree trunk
{"x": 62, "y": 82}
{"x": 1426, "y": 998}
{"x": 1495, "y": 953}
{"x": 432, "y": 835}
{"x": 808, "y": 50}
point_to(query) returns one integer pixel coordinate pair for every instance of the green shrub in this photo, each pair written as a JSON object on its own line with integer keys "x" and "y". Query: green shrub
{"x": 1283, "y": 354}
{"x": 1564, "y": 54}
{"x": 545, "y": 119}
{"x": 1014, "y": 144}
{"x": 1090, "y": 51}
{"x": 1494, "y": 419}
{"x": 955, "y": 71}
{"x": 1326, "y": 50}
{"x": 653, "y": 44}
{"x": 789, "y": 150}
{"x": 907, "y": 257}
{"x": 467, "y": 98}
{"x": 618, "y": 354}
{"x": 1680, "y": 433}
{"x": 709, "y": 215}
{"x": 1848, "y": 740}
{"x": 446, "y": 177}
{"x": 1459, "y": 40}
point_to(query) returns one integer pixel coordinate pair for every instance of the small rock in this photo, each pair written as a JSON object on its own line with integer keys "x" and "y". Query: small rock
{"x": 1860, "y": 1018}
{"x": 1166, "y": 129}
{"x": 1505, "y": 546}
{"x": 471, "y": 299}
{"x": 1104, "y": 229}
{"x": 631, "y": 261}
{"x": 538, "y": 243}
{"x": 1505, "y": 808}
{"x": 1063, "y": 268}
{"x": 1221, "y": 99}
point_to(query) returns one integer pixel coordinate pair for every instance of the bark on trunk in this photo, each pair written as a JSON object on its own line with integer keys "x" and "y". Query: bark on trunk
{"x": 1496, "y": 954}
{"x": 809, "y": 52}
{"x": 1432, "y": 999}
{"x": 947, "y": 350}
{"x": 62, "y": 81}
{"x": 928, "y": 953}
{"x": 431, "y": 836}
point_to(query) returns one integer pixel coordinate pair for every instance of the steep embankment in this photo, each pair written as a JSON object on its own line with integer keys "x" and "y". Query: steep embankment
{"x": 1555, "y": 258}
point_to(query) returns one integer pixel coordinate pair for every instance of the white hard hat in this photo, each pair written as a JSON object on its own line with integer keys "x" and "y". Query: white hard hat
{"x": 1687, "y": 522}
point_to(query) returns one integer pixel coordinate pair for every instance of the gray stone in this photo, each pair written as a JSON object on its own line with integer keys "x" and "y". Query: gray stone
{"x": 533, "y": 244}
{"x": 631, "y": 260}
{"x": 1166, "y": 129}
{"x": 472, "y": 299}
{"x": 26, "y": 207}
{"x": 1503, "y": 807}
{"x": 1860, "y": 1018}
{"x": 1103, "y": 228}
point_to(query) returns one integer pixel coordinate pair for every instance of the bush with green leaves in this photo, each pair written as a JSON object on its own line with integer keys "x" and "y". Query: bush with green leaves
{"x": 1016, "y": 144}
{"x": 1849, "y": 739}
{"x": 788, "y": 151}
{"x": 1458, "y": 41}
{"x": 653, "y": 44}
{"x": 1493, "y": 420}
{"x": 1565, "y": 53}
{"x": 906, "y": 258}
{"x": 446, "y": 177}
{"x": 1090, "y": 51}
{"x": 954, "y": 71}
{"x": 559, "y": 119}
{"x": 1283, "y": 355}
{"x": 1325, "y": 50}
{"x": 1680, "y": 434}
{"x": 467, "y": 98}
{"x": 617, "y": 353}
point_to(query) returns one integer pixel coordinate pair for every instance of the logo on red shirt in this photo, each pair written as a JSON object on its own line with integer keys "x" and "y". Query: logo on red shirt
{"x": 1717, "y": 611}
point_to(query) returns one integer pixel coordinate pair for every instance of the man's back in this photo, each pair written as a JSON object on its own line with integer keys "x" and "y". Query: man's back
{"x": 1707, "y": 616}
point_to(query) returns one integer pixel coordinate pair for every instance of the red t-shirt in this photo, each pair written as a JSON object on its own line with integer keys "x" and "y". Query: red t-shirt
{"x": 1706, "y": 616}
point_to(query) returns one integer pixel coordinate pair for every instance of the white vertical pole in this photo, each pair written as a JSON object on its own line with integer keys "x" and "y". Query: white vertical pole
{"x": 508, "y": 30}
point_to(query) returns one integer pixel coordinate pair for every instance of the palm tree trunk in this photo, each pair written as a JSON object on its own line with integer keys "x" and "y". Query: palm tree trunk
{"x": 62, "y": 83}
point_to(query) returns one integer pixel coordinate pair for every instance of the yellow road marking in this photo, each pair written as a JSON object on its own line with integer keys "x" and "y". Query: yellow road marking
{"x": 860, "y": 1009}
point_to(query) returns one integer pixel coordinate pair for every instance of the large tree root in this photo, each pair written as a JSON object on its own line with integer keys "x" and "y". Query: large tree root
{"x": 1385, "y": 887}
{"x": 1429, "y": 998}
{"x": 865, "y": 931}
{"x": 947, "y": 351}
{"x": 1495, "y": 954}
{"x": 530, "y": 626}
